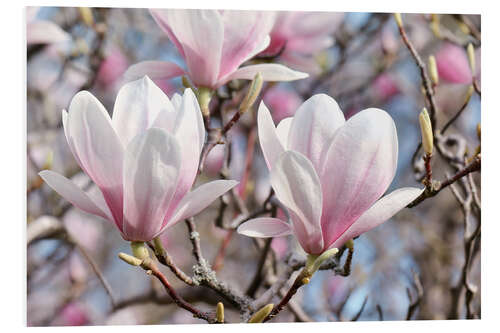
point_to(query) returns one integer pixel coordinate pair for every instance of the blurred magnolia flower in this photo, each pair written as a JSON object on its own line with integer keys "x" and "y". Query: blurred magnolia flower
{"x": 41, "y": 31}
{"x": 329, "y": 173}
{"x": 144, "y": 160}
{"x": 72, "y": 314}
{"x": 297, "y": 36}
{"x": 282, "y": 101}
{"x": 385, "y": 86}
{"x": 112, "y": 68}
{"x": 214, "y": 44}
{"x": 453, "y": 65}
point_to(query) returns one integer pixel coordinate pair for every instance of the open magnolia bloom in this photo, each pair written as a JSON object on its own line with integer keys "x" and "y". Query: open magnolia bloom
{"x": 330, "y": 173}
{"x": 214, "y": 44}
{"x": 144, "y": 160}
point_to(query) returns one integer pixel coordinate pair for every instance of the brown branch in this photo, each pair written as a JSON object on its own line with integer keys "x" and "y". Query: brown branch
{"x": 165, "y": 259}
{"x": 414, "y": 303}
{"x": 426, "y": 82}
{"x": 205, "y": 276}
{"x": 151, "y": 269}
{"x": 475, "y": 165}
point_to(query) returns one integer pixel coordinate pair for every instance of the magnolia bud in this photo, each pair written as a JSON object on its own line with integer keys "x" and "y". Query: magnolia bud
{"x": 260, "y": 315}
{"x": 252, "y": 94}
{"x": 426, "y": 129}
{"x": 399, "y": 20}
{"x": 219, "y": 312}
{"x": 131, "y": 260}
{"x": 86, "y": 15}
{"x": 433, "y": 70}
{"x": 472, "y": 58}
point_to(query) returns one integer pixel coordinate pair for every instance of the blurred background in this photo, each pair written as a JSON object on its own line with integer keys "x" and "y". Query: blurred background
{"x": 411, "y": 267}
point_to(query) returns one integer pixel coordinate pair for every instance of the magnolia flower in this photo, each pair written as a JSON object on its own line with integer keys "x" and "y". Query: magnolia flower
{"x": 41, "y": 31}
{"x": 214, "y": 44}
{"x": 329, "y": 173}
{"x": 298, "y": 36}
{"x": 144, "y": 160}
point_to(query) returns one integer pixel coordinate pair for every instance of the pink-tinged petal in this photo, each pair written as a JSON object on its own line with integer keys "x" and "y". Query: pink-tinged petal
{"x": 200, "y": 33}
{"x": 151, "y": 169}
{"x": 244, "y": 33}
{"x": 198, "y": 199}
{"x": 269, "y": 141}
{"x": 137, "y": 106}
{"x": 155, "y": 70}
{"x": 297, "y": 186}
{"x": 359, "y": 167}
{"x": 69, "y": 191}
{"x": 381, "y": 211}
{"x": 161, "y": 18}
{"x": 97, "y": 147}
{"x": 314, "y": 126}
{"x": 283, "y": 131}
{"x": 190, "y": 134}
{"x": 45, "y": 32}
{"x": 265, "y": 227}
{"x": 269, "y": 72}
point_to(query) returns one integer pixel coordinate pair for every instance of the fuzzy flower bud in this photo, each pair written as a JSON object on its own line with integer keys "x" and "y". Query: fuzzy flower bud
{"x": 399, "y": 20}
{"x": 433, "y": 71}
{"x": 260, "y": 315}
{"x": 472, "y": 58}
{"x": 219, "y": 314}
{"x": 426, "y": 129}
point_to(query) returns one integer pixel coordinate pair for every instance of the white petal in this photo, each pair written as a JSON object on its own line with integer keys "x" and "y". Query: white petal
{"x": 314, "y": 126}
{"x": 198, "y": 199}
{"x": 381, "y": 211}
{"x": 283, "y": 131}
{"x": 190, "y": 134}
{"x": 265, "y": 227}
{"x": 137, "y": 105}
{"x": 69, "y": 191}
{"x": 151, "y": 169}
{"x": 297, "y": 186}
{"x": 269, "y": 72}
{"x": 154, "y": 70}
{"x": 359, "y": 167}
{"x": 269, "y": 141}
{"x": 96, "y": 147}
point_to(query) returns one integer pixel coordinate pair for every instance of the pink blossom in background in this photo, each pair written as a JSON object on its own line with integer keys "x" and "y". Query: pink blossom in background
{"x": 298, "y": 36}
{"x": 73, "y": 314}
{"x": 214, "y": 44}
{"x": 284, "y": 102}
{"x": 148, "y": 165}
{"x": 112, "y": 68}
{"x": 453, "y": 65}
{"x": 330, "y": 173}
{"x": 385, "y": 87}
{"x": 42, "y": 31}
